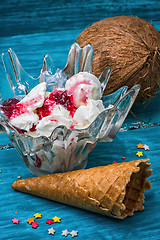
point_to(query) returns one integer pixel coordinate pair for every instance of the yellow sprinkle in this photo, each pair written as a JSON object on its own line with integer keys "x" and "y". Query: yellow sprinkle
{"x": 139, "y": 154}
{"x": 56, "y": 219}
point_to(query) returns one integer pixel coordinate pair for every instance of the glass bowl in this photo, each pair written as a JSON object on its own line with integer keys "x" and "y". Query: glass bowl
{"x": 65, "y": 149}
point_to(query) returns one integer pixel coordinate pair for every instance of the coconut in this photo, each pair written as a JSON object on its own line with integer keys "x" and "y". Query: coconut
{"x": 131, "y": 47}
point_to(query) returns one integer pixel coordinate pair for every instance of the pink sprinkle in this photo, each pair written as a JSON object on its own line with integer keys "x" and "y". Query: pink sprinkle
{"x": 35, "y": 225}
{"x": 49, "y": 221}
{"x": 123, "y": 158}
{"x": 114, "y": 162}
{"x": 15, "y": 221}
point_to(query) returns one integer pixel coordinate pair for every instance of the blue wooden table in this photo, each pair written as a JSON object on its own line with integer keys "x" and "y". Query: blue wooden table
{"x": 32, "y": 29}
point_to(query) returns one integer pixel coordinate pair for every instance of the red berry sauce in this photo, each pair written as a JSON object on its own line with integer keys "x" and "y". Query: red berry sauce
{"x": 33, "y": 129}
{"x": 9, "y": 107}
{"x": 78, "y": 85}
{"x": 57, "y": 97}
{"x": 46, "y": 109}
{"x": 12, "y": 108}
{"x": 38, "y": 162}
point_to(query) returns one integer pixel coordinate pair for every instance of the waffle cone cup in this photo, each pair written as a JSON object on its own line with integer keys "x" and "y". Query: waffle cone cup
{"x": 115, "y": 190}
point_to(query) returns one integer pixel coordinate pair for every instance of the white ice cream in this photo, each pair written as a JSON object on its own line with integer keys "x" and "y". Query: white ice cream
{"x": 35, "y": 98}
{"x": 25, "y": 121}
{"x": 59, "y": 116}
{"x": 85, "y": 115}
{"x": 83, "y": 86}
{"x": 83, "y": 89}
{"x": 26, "y": 117}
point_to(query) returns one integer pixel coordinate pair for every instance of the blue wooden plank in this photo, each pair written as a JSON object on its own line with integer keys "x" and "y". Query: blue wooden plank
{"x": 32, "y": 29}
{"x": 89, "y": 225}
{"x": 25, "y": 17}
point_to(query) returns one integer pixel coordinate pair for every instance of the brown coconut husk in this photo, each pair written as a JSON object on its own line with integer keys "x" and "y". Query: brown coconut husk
{"x": 131, "y": 47}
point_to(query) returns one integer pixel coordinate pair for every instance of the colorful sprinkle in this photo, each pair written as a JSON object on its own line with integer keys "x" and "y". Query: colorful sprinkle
{"x": 37, "y": 215}
{"x": 74, "y": 233}
{"x": 123, "y": 158}
{"x": 146, "y": 147}
{"x": 114, "y": 162}
{"x": 51, "y": 231}
{"x": 15, "y": 221}
{"x": 65, "y": 233}
{"x": 30, "y": 220}
{"x": 56, "y": 219}
{"x": 139, "y": 154}
{"x": 35, "y": 225}
{"x": 140, "y": 145}
{"x": 49, "y": 221}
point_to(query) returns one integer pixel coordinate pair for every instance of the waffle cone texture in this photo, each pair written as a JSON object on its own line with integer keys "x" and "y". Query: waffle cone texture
{"x": 114, "y": 190}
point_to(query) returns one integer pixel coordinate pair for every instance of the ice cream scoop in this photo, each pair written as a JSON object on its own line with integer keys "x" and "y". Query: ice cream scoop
{"x": 83, "y": 86}
{"x": 22, "y": 114}
{"x": 86, "y": 114}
